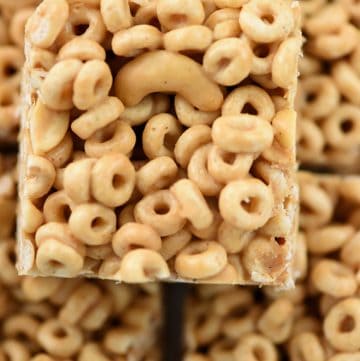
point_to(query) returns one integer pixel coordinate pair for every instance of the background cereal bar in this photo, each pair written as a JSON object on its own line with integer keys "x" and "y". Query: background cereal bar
{"x": 49, "y": 319}
{"x": 13, "y": 16}
{"x": 158, "y": 142}
{"x": 317, "y": 320}
{"x": 329, "y": 88}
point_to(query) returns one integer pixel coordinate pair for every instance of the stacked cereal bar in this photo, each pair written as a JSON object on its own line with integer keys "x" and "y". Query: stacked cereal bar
{"x": 158, "y": 140}
{"x": 13, "y": 16}
{"x": 329, "y": 88}
{"x": 49, "y": 319}
{"x": 318, "y": 320}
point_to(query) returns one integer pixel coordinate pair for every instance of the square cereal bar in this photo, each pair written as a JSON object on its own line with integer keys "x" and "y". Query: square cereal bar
{"x": 98, "y": 319}
{"x": 328, "y": 100}
{"x": 158, "y": 141}
{"x": 50, "y": 319}
{"x": 231, "y": 323}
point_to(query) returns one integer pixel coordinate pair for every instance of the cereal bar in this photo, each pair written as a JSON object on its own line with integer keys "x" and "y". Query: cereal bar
{"x": 49, "y": 319}
{"x": 317, "y": 320}
{"x": 158, "y": 140}
{"x": 13, "y": 16}
{"x": 328, "y": 98}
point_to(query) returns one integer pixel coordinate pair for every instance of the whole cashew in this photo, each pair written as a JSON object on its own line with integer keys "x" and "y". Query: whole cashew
{"x": 163, "y": 71}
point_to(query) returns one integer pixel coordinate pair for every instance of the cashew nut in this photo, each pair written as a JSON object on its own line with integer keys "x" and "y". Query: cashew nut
{"x": 40, "y": 176}
{"x": 163, "y": 71}
{"x": 46, "y": 135}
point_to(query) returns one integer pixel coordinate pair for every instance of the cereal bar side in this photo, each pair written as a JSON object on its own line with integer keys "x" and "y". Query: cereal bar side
{"x": 158, "y": 141}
